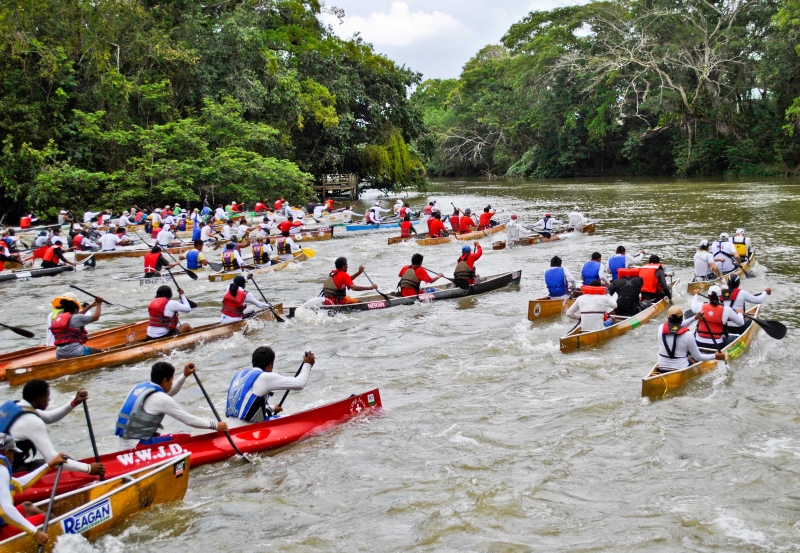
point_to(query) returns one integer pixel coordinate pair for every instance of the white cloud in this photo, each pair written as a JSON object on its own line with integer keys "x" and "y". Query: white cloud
{"x": 398, "y": 27}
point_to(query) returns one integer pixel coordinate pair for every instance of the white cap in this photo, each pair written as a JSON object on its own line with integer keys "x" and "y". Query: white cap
{"x": 126, "y": 212}
{"x": 723, "y": 236}
{"x": 703, "y": 243}
{"x": 158, "y": 210}
{"x": 233, "y": 203}
{"x": 57, "y": 240}
{"x": 575, "y": 208}
{"x": 94, "y": 225}
{"x": 739, "y": 231}
{"x": 715, "y": 290}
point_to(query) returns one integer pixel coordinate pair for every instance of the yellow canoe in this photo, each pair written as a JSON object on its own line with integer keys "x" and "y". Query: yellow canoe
{"x": 545, "y": 307}
{"x": 478, "y": 234}
{"x": 702, "y": 285}
{"x": 94, "y": 510}
{"x": 299, "y": 257}
{"x": 656, "y": 384}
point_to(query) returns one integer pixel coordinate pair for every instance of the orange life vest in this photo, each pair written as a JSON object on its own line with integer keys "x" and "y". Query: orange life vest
{"x": 405, "y": 229}
{"x": 713, "y": 322}
{"x": 157, "y": 316}
{"x": 594, "y": 290}
{"x": 651, "y": 284}
{"x": 629, "y": 272}
{"x": 234, "y": 306}
{"x": 65, "y": 334}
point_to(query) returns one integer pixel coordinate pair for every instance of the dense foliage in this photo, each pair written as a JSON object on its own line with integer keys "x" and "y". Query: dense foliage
{"x": 106, "y": 102}
{"x": 655, "y": 87}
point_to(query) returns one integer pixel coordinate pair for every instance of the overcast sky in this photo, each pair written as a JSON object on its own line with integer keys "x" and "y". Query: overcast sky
{"x": 434, "y": 37}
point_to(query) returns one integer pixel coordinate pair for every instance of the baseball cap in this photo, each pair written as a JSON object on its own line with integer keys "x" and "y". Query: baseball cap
{"x": 63, "y": 211}
{"x": 675, "y": 311}
{"x": 513, "y": 215}
{"x": 703, "y": 243}
{"x": 715, "y": 290}
{"x": 723, "y": 235}
{"x": 7, "y": 443}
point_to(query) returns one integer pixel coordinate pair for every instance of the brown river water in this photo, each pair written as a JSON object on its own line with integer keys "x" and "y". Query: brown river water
{"x": 490, "y": 439}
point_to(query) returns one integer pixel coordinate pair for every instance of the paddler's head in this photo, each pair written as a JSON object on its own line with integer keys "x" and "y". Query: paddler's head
{"x": 555, "y": 262}
{"x": 407, "y": 217}
{"x": 596, "y": 257}
{"x": 8, "y": 447}
{"x": 416, "y": 260}
{"x": 70, "y": 305}
{"x": 230, "y": 246}
{"x": 37, "y": 393}
{"x": 714, "y": 294}
{"x": 620, "y": 250}
{"x": 703, "y": 245}
{"x": 341, "y": 263}
{"x": 733, "y": 281}
{"x": 654, "y": 259}
{"x": 162, "y": 374}
{"x": 466, "y": 249}
{"x": 263, "y": 358}
{"x": 155, "y": 249}
{"x": 56, "y": 303}
{"x": 198, "y": 244}
{"x": 675, "y": 316}
{"x": 164, "y": 292}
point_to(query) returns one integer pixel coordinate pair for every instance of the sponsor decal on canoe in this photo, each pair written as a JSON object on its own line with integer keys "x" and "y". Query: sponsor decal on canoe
{"x": 634, "y": 323}
{"x": 130, "y": 336}
{"x": 150, "y": 455}
{"x": 515, "y": 275}
{"x": 371, "y": 399}
{"x": 376, "y": 304}
{"x": 24, "y": 275}
{"x": 357, "y": 406}
{"x": 736, "y": 350}
{"x": 179, "y": 469}
{"x": 88, "y": 518}
{"x": 537, "y": 310}
{"x": 154, "y": 281}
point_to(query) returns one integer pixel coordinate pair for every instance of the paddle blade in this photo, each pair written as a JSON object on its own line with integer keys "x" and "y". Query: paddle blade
{"x": 190, "y": 273}
{"x": 20, "y": 331}
{"x": 773, "y": 329}
{"x": 498, "y": 245}
{"x": 311, "y": 254}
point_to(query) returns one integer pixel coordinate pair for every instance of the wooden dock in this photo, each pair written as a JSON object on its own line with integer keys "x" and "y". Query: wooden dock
{"x": 338, "y": 185}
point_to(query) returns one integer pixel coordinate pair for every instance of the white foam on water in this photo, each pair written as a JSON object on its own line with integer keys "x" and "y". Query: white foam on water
{"x": 459, "y": 439}
{"x": 735, "y": 528}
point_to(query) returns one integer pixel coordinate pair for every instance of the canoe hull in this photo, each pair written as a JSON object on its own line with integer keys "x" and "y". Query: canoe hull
{"x": 35, "y": 273}
{"x": 703, "y": 285}
{"x": 80, "y": 256}
{"x": 213, "y": 447}
{"x": 115, "y": 501}
{"x": 478, "y": 234}
{"x": 543, "y": 308}
{"x": 299, "y": 257}
{"x": 656, "y": 384}
{"x": 133, "y": 352}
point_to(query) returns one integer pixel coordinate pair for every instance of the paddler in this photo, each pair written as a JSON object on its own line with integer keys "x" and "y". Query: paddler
{"x": 235, "y": 208}
{"x": 231, "y": 258}
{"x": 27, "y": 419}
{"x": 655, "y": 285}
{"x": 235, "y": 301}
{"x": 592, "y": 306}
{"x": 705, "y": 268}
{"x": 227, "y": 231}
{"x": 149, "y": 402}
{"x": 398, "y": 205}
{"x": 514, "y": 230}
{"x": 436, "y": 226}
{"x": 412, "y": 276}
{"x": 219, "y": 213}
{"x": 741, "y": 242}
{"x": 58, "y": 309}
{"x": 711, "y": 330}
{"x": 163, "y": 311}
{"x": 290, "y": 225}
{"x": 455, "y": 220}
{"x": 334, "y": 290}
{"x": 69, "y": 329}
{"x": 55, "y": 253}
{"x": 466, "y": 224}
{"x": 376, "y": 211}
{"x": 407, "y": 227}
{"x": 195, "y": 260}
{"x": 546, "y": 223}
{"x": 279, "y": 204}
{"x": 576, "y": 220}
{"x": 464, "y": 274}
{"x": 593, "y": 270}
{"x": 485, "y": 220}
{"x": 348, "y": 214}
{"x": 109, "y": 241}
{"x": 628, "y": 288}
{"x": 154, "y": 262}
{"x": 250, "y": 389}
{"x": 677, "y": 348}
{"x": 559, "y": 280}
{"x": 124, "y": 220}
{"x": 621, "y": 260}
{"x": 167, "y": 238}
{"x": 725, "y": 255}
{"x": 285, "y": 246}
{"x": 262, "y": 250}
{"x": 207, "y": 233}
{"x": 26, "y": 517}
{"x": 737, "y": 299}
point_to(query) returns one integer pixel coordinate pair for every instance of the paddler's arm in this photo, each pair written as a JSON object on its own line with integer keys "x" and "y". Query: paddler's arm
{"x": 55, "y": 415}
{"x": 697, "y": 302}
{"x": 570, "y": 278}
{"x": 662, "y": 278}
{"x": 697, "y": 355}
{"x": 163, "y": 404}
{"x": 574, "y": 311}
{"x": 35, "y": 430}
{"x": 252, "y": 300}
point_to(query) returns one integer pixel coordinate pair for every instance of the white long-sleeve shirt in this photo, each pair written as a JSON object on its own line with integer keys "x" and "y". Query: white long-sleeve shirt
{"x": 219, "y": 213}
{"x": 744, "y": 297}
{"x": 547, "y": 226}
{"x": 514, "y": 231}
{"x": 729, "y": 317}
{"x": 226, "y": 231}
{"x": 249, "y": 299}
{"x": 34, "y": 428}
{"x": 703, "y": 263}
{"x": 161, "y": 403}
{"x": 576, "y": 219}
{"x": 724, "y": 262}
{"x": 376, "y": 212}
{"x": 89, "y": 215}
{"x": 170, "y": 309}
{"x": 9, "y": 511}
{"x": 589, "y": 308}
{"x": 164, "y": 237}
{"x": 686, "y": 345}
{"x": 294, "y": 248}
{"x": 124, "y": 221}
{"x": 155, "y": 218}
{"x": 270, "y": 382}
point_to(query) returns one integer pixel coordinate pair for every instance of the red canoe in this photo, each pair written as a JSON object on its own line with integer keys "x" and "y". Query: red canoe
{"x": 213, "y": 447}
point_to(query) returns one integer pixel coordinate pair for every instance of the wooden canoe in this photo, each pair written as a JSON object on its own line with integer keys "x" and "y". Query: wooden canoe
{"x": 478, "y": 234}
{"x": 422, "y": 239}
{"x": 545, "y": 307}
{"x": 299, "y": 257}
{"x": 94, "y": 510}
{"x": 104, "y": 339}
{"x": 702, "y": 285}
{"x": 316, "y": 235}
{"x": 576, "y": 339}
{"x": 656, "y": 384}
{"x": 538, "y": 238}
{"x": 137, "y": 252}
{"x": 135, "y": 351}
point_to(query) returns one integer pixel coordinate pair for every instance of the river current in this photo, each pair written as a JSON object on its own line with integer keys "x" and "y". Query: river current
{"x": 490, "y": 439}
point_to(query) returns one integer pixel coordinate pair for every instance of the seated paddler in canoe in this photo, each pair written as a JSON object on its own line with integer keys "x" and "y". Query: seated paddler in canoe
{"x": 621, "y": 260}
{"x": 413, "y": 276}
{"x": 594, "y": 270}
{"x": 436, "y": 227}
{"x": 576, "y": 220}
{"x": 25, "y": 517}
{"x": 148, "y": 403}
{"x": 407, "y": 227}
{"x": 236, "y": 300}
{"x": 546, "y": 225}
{"x": 485, "y": 220}
{"x": 655, "y": 286}
{"x": 712, "y": 327}
{"x": 677, "y": 348}
{"x": 250, "y": 389}
{"x": 26, "y": 421}
{"x": 195, "y": 260}
{"x": 163, "y": 312}
{"x": 592, "y": 307}
{"x": 155, "y": 261}
{"x": 705, "y": 268}
{"x": 69, "y": 328}
{"x": 560, "y": 282}
{"x": 737, "y": 299}
{"x": 626, "y": 289}
{"x": 464, "y": 274}
{"x": 286, "y": 247}
{"x": 515, "y": 231}
{"x": 725, "y": 254}
{"x": 335, "y": 287}
{"x": 262, "y": 250}
{"x": 232, "y": 261}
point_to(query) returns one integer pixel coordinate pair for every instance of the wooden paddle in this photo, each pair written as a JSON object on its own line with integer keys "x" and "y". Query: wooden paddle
{"x": 191, "y": 303}
{"x": 91, "y": 434}
{"x": 216, "y": 415}
{"x": 303, "y": 362}
{"x": 500, "y": 245}
{"x": 50, "y": 505}
{"x": 20, "y": 331}
{"x": 274, "y": 313}
{"x": 95, "y": 297}
{"x": 378, "y": 291}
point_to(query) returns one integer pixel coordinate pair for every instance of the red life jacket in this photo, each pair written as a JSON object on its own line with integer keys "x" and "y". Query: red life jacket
{"x": 157, "y": 317}
{"x": 405, "y": 229}
{"x": 671, "y": 330}
{"x": 713, "y": 321}
{"x": 154, "y": 232}
{"x": 666, "y": 330}
{"x": 77, "y": 241}
{"x": 651, "y": 284}
{"x": 329, "y": 205}
{"x": 730, "y": 295}
{"x": 403, "y": 211}
{"x": 594, "y": 290}
{"x": 428, "y": 210}
{"x": 39, "y": 252}
{"x": 50, "y": 255}
{"x": 151, "y": 263}
{"x": 234, "y": 307}
{"x": 629, "y": 272}
{"x": 65, "y": 334}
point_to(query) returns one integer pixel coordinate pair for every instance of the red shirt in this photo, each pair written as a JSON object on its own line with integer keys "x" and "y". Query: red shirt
{"x": 342, "y": 280}
{"x": 286, "y": 225}
{"x": 260, "y": 207}
{"x": 329, "y": 205}
{"x": 236, "y": 208}
{"x": 484, "y": 219}
{"x": 436, "y": 227}
{"x": 278, "y": 205}
{"x": 430, "y": 222}
{"x": 454, "y": 222}
{"x": 422, "y": 275}
{"x": 466, "y": 224}
{"x": 473, "y": 257}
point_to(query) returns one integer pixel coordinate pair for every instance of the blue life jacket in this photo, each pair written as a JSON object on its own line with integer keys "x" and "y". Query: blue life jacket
{"x": 133, "y": 421}
{"x": 206, "y": 210}
{"x": 240, "y": 394}
{"x": 191, "y": 260}
{"x": 590, "y": 272}
{"x": 182, "y": 224}
{"x": 556, "y": 281}
{"x": 10, "y": 411}
{"x": 616, "y": 262}
{"x": 196, "y": 232}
